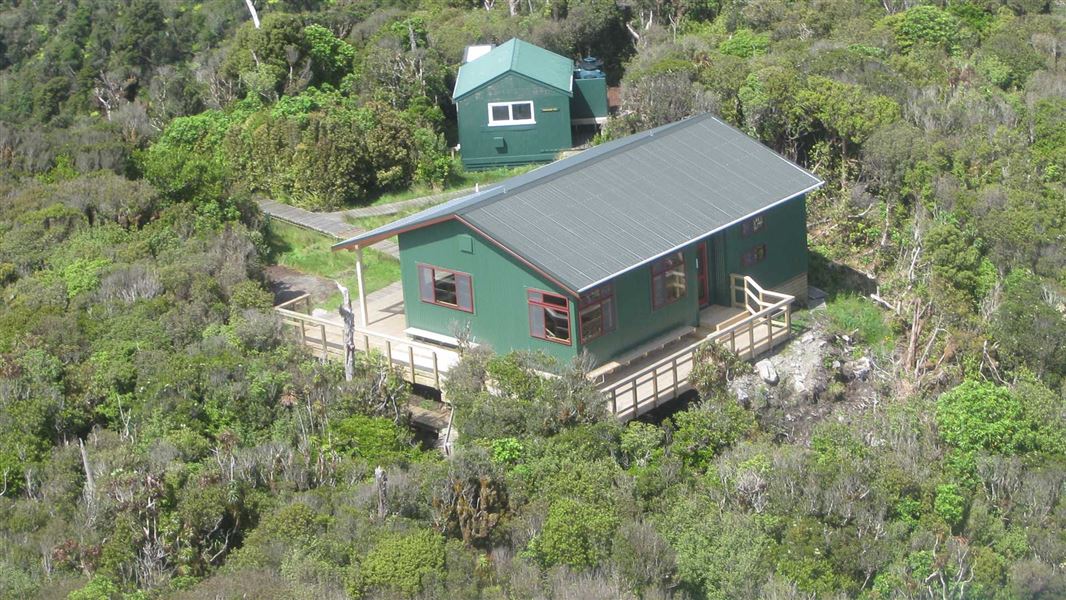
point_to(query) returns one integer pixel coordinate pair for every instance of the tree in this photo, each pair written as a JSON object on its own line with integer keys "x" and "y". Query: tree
{"x": 1031, "y": 332}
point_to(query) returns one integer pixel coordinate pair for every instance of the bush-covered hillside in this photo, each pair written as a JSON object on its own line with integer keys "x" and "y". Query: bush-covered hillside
{"x": 160, "y": 436}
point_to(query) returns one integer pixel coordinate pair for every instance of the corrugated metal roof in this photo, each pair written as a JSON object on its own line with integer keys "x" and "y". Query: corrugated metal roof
{"x": 520, "y": 57}
{"x": 591, "y": 217}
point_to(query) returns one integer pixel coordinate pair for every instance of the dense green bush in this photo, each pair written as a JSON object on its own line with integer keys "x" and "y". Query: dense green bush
{"x": 575, "y": 534}
{"x": 403, "y": 562}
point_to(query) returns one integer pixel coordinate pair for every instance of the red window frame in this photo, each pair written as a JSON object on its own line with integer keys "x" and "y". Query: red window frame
{"x": 755, "y": 255}
{"x": 457, "y": 275}
{"x": 602, "y": 297}
{"x": 540, "y": 303}
{"x": 659, "y": 268}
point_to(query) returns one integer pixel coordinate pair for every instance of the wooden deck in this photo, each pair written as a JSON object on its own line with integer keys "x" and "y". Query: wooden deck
{"x": 758, "y": 321}
{"x": 421, "y": 363}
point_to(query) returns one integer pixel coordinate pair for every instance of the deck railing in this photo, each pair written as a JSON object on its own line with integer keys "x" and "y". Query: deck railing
{"x": 420, "y": 363}
{"x": 765, "y": 323}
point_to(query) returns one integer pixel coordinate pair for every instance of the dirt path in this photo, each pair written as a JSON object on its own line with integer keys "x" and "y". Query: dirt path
{"x": 288, "y": 283}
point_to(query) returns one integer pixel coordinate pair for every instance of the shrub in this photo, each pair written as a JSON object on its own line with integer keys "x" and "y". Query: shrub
{"x": 745, "y": 43}
{"x": 982, "y": 416}
{"x": 575, "y": 534}
{"x": 374, "y": 439}
{"x": 640, "y": 442}
{"x": 949, "y": 504}
{"x": 926, "y": 24}
{"x": 701, "y": 431}
{"x": 401, "y": 563}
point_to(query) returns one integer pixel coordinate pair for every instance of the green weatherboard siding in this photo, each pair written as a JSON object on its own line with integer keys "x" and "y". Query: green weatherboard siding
{"x": 501, "y": 317}
{"x": 485, "y": 146}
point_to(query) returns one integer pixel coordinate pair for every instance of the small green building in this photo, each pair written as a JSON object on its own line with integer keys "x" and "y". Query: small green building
{"x": 607, "y": 250}
{"x": 517, "y": 103}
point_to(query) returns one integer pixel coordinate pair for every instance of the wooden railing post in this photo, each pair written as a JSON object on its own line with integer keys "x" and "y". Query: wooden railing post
{"x": 325, "y": 347}
{"x": 751, "y": 340}
{"x": 614, "y": 402}
{"x": 436, "y": 372}
{"x": 655, "y": 387}
{"x": 411, "y": 359}
{"x": 770, "y": 327}
{"x": 388, "y": 351}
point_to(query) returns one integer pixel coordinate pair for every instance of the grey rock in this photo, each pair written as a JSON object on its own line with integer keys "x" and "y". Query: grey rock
{"x": 767, "y": 372}
{"x": 857, "y": 369}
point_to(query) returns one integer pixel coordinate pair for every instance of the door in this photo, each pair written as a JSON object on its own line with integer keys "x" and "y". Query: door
{"x": 703, "y": 277}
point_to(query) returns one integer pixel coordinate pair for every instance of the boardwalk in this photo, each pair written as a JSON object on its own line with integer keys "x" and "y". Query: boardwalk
{"x": 331, "y": 224}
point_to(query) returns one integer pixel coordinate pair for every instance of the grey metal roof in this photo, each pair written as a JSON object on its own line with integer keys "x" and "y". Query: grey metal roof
{"x": 588, "y": 218}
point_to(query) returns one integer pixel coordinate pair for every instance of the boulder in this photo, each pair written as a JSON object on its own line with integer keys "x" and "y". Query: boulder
{"x": 857, "y": 369}
{"x": 767, "y": 372}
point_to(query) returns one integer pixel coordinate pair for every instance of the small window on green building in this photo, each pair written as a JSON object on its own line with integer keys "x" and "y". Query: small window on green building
{"x": 549, "y": 317}
{"x": 754, "y": 256}
{"x": 443, "y": 287}
{"x": 668, "y": 283}
{"x": 752, "y": 225}
{"x": 511, "y": 113}
{"x": 596, "y": 313}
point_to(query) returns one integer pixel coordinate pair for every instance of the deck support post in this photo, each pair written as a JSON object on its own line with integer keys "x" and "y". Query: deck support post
{"x": 363, "y": 312}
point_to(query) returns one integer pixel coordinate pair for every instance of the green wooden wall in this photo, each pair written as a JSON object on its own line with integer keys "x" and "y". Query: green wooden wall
{"x": 501, "y": 317}
{"x": 590, "y": 99}
{"x": 500, "y": 282}
{"x": 636, "y": 321}
{"x": 785, "y": 236}
{"x": 523, "y": 144}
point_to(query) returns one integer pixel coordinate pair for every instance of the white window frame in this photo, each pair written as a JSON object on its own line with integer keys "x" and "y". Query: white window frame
{"x": 532, "y": 120}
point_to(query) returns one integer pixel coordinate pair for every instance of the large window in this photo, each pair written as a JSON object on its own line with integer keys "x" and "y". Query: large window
{"x": 511, "y": 113}
{"x": 596, "y": 312}
{"x": 446, "y": 288}
{"x": 549, "y": 317}
{"x": 668, "y": 282}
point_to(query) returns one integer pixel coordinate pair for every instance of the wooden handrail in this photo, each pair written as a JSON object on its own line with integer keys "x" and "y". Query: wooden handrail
{"x": 358, "y": 330}
{"x": 625, "y": 396}
{"x": 288, "y": 303}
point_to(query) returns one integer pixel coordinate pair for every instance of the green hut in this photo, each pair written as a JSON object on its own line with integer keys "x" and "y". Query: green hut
{"x": 516, "y": 105}
{"x": 616, "y": 250}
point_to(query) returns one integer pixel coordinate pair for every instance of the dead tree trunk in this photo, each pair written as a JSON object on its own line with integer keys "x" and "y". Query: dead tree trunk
{"x": 255, "y": 15}
{"x": 383, "y": 484}
{"x": 349, "y": 332}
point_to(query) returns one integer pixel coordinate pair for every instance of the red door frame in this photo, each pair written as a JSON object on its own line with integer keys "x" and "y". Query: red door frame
{"x": 703, "y": 275}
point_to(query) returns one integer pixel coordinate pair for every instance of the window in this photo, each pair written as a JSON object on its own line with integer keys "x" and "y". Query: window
{"x": 549, "y": 317}
{"x": 752, "y": 225}
{"x": 596, "y": 312}
{"x": 445, "y": 288}
{"x": 511, "y": 113}
{"x": 754, "y": 256}
{"x": 668, "y": 282}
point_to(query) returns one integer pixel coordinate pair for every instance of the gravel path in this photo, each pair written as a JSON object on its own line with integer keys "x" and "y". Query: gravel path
{"x": 331, "y": 224}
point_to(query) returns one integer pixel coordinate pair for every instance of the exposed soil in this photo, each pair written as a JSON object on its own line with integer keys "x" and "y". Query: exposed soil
{"x": 288, "y": 283}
